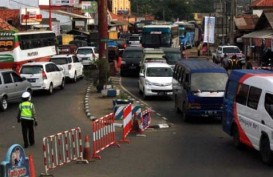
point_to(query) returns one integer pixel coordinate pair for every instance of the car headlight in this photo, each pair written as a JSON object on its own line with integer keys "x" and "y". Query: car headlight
{"x": 148, "y": 82}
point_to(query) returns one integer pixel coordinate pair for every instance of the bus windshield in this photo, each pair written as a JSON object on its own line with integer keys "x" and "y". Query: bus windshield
{"x": 202, "y": 82}
{"x": 156, "y": 40}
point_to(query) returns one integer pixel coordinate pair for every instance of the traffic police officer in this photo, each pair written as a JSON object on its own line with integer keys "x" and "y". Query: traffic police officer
{"x": 27, "y": 117}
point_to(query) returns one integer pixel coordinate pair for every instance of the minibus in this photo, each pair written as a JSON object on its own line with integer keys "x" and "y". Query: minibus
{"x": 199, "y": 87}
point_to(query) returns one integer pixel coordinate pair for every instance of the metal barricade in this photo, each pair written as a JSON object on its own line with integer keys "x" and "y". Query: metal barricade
{"x": 104, "y": 134}
{"x": 62, "y": 148}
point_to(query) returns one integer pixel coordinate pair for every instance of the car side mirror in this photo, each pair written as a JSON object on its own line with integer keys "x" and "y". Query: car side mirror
{"x": 141, "y": 74}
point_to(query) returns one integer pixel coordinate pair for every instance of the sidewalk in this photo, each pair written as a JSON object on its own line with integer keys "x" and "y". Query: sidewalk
{"x": 97, "y": 105}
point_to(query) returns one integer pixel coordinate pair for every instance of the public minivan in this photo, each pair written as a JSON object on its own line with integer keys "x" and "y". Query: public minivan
{"x": 199, "y": 87}
{"x": 248, "y": 110}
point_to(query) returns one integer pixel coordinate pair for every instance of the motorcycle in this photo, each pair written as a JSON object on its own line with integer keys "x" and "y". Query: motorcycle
{"x": 232, "y": 62}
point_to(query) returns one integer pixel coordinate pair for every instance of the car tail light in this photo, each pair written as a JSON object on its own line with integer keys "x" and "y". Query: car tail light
{"x": 69, "y": 67}
{"x": 44, "y": 75}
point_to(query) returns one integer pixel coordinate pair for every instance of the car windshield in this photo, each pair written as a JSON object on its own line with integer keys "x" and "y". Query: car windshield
{"x": 208, "y": 81}
{"x": 231, "y": 50}
{"x": 84, "y": 51}
{"x": 59, "y": 61}
{"x": 172, "y": 58}
{"x": 159, "y": 72}
{"x": 132, "y": 54}
{"x": 31, "y": 69}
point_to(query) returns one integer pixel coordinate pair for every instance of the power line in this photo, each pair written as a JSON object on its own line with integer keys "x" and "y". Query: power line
{"x": 22, "y": 3}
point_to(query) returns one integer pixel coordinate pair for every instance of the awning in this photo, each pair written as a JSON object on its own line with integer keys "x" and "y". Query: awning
{"x": 259, "y": 34}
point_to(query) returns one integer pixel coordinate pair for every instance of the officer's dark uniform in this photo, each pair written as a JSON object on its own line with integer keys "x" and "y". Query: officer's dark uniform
{"x": 27, "y": 117}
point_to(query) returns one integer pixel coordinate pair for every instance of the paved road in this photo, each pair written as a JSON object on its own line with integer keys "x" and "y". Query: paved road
{"x": 185, "y": 149}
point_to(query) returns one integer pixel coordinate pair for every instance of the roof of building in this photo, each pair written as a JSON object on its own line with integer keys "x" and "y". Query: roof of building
{"x": 5, "y": 25}
{"x": 257, "y": 4}
{"x": 246, "y": 22}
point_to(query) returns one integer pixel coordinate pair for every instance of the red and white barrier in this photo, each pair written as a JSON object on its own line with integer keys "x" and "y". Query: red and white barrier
{"x": 104, "y": 134}
{"x": 127, "y": 122}
{"x": 62, "y": 148}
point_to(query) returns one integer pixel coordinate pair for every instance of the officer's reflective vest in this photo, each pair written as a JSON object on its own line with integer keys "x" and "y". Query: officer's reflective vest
{"x": 26, "y": 110}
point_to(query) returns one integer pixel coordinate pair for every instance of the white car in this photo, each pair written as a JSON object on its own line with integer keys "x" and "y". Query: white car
{"x": 155, "y": 79}
{"x": 43, "y": 75}
{"x": 134, "y": 40}
{"x": 73, "y": 68}
{"x": 87, "y": 55}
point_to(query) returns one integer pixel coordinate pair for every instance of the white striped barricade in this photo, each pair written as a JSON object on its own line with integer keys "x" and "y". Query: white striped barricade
{"x": 104, "y": 134}
{"x": 127, "y": 122}
{"x": 62, "y": 148}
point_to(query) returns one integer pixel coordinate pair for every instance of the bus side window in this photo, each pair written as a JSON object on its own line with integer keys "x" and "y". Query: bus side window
{"x": 268, "y": 104}
{"x": 242, "y": 93}
{"x": 254, "y": 97}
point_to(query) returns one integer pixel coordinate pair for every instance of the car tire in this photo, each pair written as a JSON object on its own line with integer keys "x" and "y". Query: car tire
{"x": 176, "y": 105}
{"x": 62, "y": 84}
{"x": 144, "y": 96}
{"x": 265, "y": 151}
{"x": 183, "y": 112}
{"x": 50, "y": 89}
{"x": 75, "y": 78}
{"x": 3, "y": 103}
{"x": 236, "y": 138}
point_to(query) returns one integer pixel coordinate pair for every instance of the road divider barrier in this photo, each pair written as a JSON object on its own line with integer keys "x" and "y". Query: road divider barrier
{"x": 62, "y": 148}
{"x": 104, "y": 134}
{"x": 127, "y": 122}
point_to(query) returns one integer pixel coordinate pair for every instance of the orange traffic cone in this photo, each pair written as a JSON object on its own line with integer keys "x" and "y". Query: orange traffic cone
{"x": 86, "y": 151}
{"x": 32, "y": 172}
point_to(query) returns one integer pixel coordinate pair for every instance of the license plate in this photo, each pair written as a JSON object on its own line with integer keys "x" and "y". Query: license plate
{"x": 31, "y": 80}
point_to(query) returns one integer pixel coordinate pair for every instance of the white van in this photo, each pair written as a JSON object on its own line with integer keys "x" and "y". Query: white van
{"x": 248, "y": 110}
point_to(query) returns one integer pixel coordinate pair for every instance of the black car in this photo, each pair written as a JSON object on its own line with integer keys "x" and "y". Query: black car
{"x": 172, "y": 55}
{"x": 131, "y": 58}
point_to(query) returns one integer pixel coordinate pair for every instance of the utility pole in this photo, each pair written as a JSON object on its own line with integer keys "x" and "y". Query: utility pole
{"x": 103, "y": 65}
{"x": 232, "y": 26}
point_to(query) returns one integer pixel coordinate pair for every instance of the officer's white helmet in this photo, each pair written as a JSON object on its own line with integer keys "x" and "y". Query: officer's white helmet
{"x": 26, "y": 96}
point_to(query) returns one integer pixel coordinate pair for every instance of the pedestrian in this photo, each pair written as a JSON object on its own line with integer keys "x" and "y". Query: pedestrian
{"x": 27, "y": 117}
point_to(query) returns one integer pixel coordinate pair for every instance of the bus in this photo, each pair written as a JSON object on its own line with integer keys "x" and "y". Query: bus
{"x": 17, "y": 48}
{"x": 155, "y": 36}
{"x": 186, "y": 32}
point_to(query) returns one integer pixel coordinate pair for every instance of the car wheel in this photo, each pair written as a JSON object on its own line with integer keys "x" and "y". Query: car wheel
{"x": 144, "y": 96}
{"x": 265, "y": 151}
{"x": 63, "y": 83}
{"x": 4, "y": 104}
{"x": 184, "y": 115}
{"x": 236, "y": 138}
{"x": 176, "y": 105}
{"x": 50, "y": 89}
{"x": 75, "y": 78}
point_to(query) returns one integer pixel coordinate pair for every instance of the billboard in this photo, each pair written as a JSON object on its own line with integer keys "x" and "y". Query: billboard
{"x": 89, "y": 6}
{"x": 209, "y": 30}
{"x": 59, "y": 2}
{"x": 30, "y": 16}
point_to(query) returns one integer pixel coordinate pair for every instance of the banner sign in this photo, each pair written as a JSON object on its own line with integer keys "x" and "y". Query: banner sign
{"x": 59, "y": 2}
{"x": 16, "y": 164}
{"x": 89, "y": 6}
{"x": 30, "y": 16}
{"x": 209, "y": 30}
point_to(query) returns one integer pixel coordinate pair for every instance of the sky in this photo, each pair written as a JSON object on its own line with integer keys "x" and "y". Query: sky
{"x": 17, "y": 4}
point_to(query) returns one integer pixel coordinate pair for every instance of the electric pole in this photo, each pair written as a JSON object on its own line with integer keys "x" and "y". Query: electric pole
{"x": 103, "y": 65}
{"x": 233, "y": 11}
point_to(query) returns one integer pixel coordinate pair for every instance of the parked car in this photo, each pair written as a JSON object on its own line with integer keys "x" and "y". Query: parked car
{"x": 228, "y": 50}
{"x": 155, "y": 79}
{"x": 11, "y": 87}
{"x": 87, "y": 54}
{"x": 73, "y": 68}
{"x": 172, "y": 55}
{"x": 43, "y": 75}
{"x": 131, "y": 58}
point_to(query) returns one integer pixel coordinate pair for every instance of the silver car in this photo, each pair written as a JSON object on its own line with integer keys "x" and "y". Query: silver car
{"x": 11, "y": 87}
